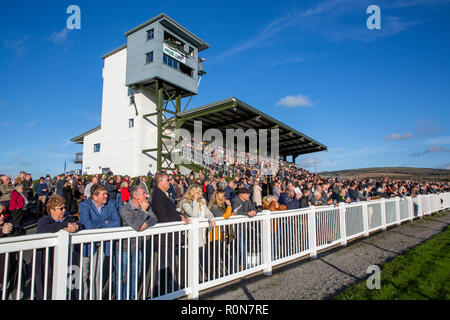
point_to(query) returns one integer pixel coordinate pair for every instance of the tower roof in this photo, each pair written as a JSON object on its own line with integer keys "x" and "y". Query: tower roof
{"x": 176, "y": 28}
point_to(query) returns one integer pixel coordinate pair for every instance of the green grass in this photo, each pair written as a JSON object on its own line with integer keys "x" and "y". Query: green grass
{"x": 421, "y": 273}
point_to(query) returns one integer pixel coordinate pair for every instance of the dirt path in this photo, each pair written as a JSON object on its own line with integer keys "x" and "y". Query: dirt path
{"x": 332, "y": 271}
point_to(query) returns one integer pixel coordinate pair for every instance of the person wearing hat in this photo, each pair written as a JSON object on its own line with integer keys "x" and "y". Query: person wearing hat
{"x": 242, "y": 205}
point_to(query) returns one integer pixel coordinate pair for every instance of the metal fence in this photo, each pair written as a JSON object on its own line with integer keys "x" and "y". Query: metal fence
{"x": 172, "y": 260}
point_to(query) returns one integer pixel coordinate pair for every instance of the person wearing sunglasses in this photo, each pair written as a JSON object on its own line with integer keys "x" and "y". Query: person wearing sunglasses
{"x": 54, "y": 222}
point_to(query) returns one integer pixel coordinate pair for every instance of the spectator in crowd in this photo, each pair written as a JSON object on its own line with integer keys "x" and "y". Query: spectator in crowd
{"x": 71, "y": 205}
{"x": 111, "y": 188}
{"x": 42, "y": 193}
{"x": 257, "y": 195}
{"x": 290, "y": 199}
{"x": 229, "y": 190}
{"x": 125, "y": 190}
{"x": 55, "y": 221}
{"x": 50, "y": 186}
{"x": 27, "y": 187}
{"x": 17, "y": 207}
{"x": 60, "y": 181}
{"x": 5, "y": 227}
{"x": 6, "y": 189}
{"x": 165, "y": 211}
{"x": 10, "y": 285}
{"x": 172, "y": 192}
{"x": 194, "y": 206}
{"x": 221, "y": 238}
{"x": 305, "y": 200}
{"x": 87, "y": 190}
{"x": 317, "y": 200}
{"x": 242, "y": 205}
{"x": 97, "y": 213}
{"x": 277, "y": 190}
{"x": 144, "y": 183}
{"x": 137, "y": 214}
{"x": 209, "y": 189}
{"x": 353, "y": 193}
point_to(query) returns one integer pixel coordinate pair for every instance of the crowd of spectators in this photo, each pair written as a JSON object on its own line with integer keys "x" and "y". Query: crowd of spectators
{"x": 74, "y": 202}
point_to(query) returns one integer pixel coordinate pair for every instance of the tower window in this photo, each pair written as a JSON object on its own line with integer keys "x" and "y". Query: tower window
{"x": 150, "y": 34}
{"x": 132, "y": 100}
{"x": 191, "y": 51}
{"x": 149, "y": 57}
{"x": 130, "y": 123}
{"x": 97, "y": 147}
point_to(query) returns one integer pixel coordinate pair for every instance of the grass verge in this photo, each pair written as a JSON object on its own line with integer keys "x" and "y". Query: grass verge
{"x": 421, "y": 273}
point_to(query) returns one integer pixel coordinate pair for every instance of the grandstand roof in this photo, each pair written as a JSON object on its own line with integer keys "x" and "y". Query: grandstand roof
{"x": 233, "y": 113}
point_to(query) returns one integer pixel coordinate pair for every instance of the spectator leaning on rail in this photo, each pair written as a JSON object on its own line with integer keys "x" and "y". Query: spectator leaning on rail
{"x": 165, "y": 211}
{"x": 55, "y": 221}
{"x": 193, "y": 205}
{"x": 98, "y": 212}
{"x": 138, "y": 215}
{"x": 242, "y": 205}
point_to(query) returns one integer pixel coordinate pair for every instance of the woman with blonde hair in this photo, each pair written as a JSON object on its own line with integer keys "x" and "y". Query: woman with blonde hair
{"x": 193, "y": 205}
{"x": 220, "y": 236}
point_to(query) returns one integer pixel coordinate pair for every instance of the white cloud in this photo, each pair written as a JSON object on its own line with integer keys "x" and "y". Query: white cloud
{"x": 438, "y": 140}
{"x": 295, "y": 101}
{"x": 59, "y": 37}
{"x": 4, "y": 124}
{"x": 17, "y": 45}
{"x": 396, "y": 136}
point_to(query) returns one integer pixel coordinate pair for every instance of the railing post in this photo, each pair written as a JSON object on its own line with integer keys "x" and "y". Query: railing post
{"x": 420, "y": 206}
{"x": 60, "y": 261}
{"x": 383, "y": 214}
{"x": 193, "y": 259}
{"x": 397, "y": 210}
{"x": 342, "y": 224}
{"x": 410, "y": 208}
{"x": 266, "y": 243}
{"x": 366, "y": 219}
{"x": 312, "y": 231}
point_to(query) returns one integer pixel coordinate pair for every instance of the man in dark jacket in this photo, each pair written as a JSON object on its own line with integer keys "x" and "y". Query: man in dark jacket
{"x": 305, "y": 200}
{"x": 55, "y": 221}
{"x": 165, "y": 211}
{"x": 242, "y": 205}
{"x": 136, "y": 214}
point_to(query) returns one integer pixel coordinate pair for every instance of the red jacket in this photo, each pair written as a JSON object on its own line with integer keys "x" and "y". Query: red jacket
{"x": 125, "y": 194}
{"x": 16, "y": 201}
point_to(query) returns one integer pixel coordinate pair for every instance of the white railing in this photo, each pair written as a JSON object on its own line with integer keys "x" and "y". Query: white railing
{"x": 173, "y": 260}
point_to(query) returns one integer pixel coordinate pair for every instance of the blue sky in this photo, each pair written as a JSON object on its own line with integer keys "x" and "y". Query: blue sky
{"x": 374, "y": 97}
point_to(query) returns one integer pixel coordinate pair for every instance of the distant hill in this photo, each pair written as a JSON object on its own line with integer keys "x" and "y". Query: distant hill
{"x": 404, "y": 173}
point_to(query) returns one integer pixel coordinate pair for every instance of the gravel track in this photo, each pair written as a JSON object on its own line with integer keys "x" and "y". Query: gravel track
{"x": 334, "y": 270}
